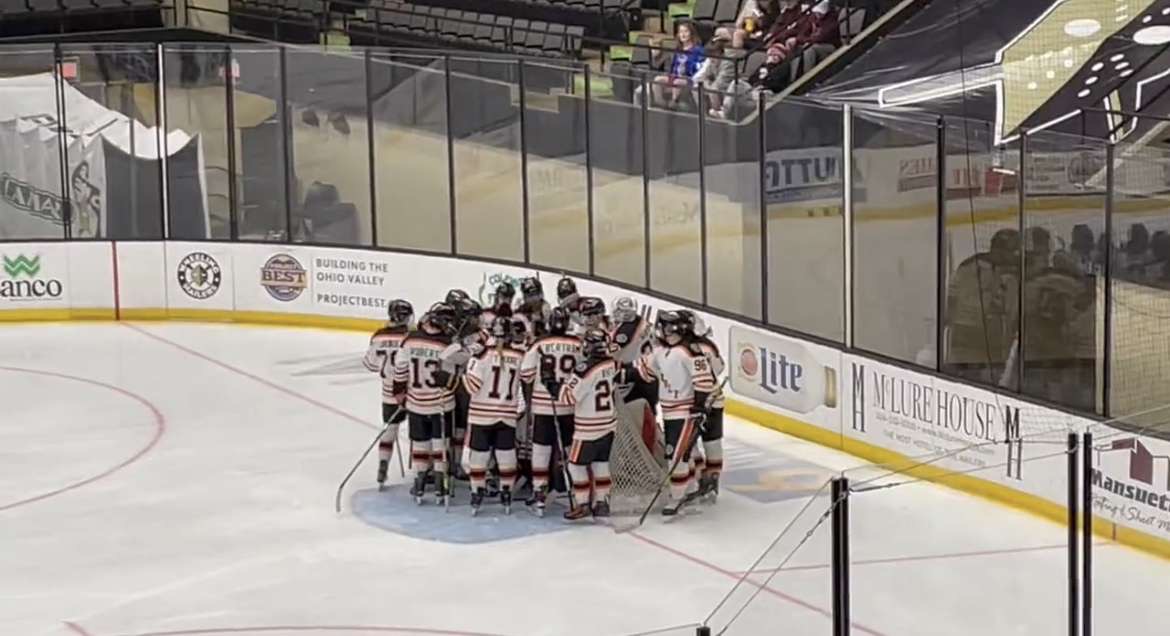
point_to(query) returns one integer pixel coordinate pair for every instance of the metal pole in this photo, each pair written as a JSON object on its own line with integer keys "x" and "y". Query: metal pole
{"x": 229, "y": 89}
{"x": 847, "y": 180}
{"x": 702, "y": 195}
{"x": 285, "y": 150}
{"x": 1107, "y": 277}
{"x": 645, "y": 184}
{"x": 703, "y": 630}
{"x": 940, "y": 235}
{"x": 1021, "y": 187}
{"x": 525, "y": 223}
{"x": 127, "y": 99}
{"x": 589, "y": 169}
{"x": 1087, "y": 534}
{"x": 62, "y": 145}
{"x": 373, "y": 173}
{"x": 450, "y": 150}
{"x": 160, "y": 133}
{"x": 840, "y": 560}
{"x": 762, "y": 156}
{"x": 1073, "y": 503}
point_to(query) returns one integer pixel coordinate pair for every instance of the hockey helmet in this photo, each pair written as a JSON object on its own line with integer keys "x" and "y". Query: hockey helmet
{"x": 558, "y": 321}
{"x": 399, "y": 313}
{"x": 532, "y": 290}
{"x": 688, "y": 320}
{"x": 504, "y": 294}
{"x": 441, "y": 317}
{"x": 625, "y": 309}
{"x": 519, "y": 332}
{"x": 455, "y": 297}
{"x": 592, "y": 310}
{"x": 566, "y": 292}
{"x": 670, "y": 327}
{"x": 595, "y": 344}
{"x": 468, "y": 314}
{"x": 501, "y": 328}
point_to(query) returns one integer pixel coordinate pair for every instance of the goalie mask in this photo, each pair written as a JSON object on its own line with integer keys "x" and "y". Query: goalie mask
{"x": 567, "y": 294}
{"x": 625, "y": 309}
{"x": 595, "y": 344}
{"x": 558, "y": 321}
{"x": 399, "y": 313}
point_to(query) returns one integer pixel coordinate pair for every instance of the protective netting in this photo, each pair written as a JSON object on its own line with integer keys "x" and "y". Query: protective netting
{"x": 637, "y": 471}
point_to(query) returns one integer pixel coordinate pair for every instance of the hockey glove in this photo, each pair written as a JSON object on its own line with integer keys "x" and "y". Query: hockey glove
{"x": 699, "y": 407}
{"x": 553, "y": 388}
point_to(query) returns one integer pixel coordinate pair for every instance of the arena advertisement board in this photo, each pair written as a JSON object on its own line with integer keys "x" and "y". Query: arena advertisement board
{"x": 200, "y": 276}
{"x": 1131, "y": 481}
{"x": 797, "y": 378}
{"x": 55, "y": 276}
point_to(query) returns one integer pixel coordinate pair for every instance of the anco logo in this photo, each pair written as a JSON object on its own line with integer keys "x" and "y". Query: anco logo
{"x": 199, "y": 275}
{"x": 283, "y": 277}
{"x": 25, "y": 282}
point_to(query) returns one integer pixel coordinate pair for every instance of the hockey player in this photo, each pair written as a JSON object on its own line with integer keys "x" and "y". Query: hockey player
{"x": 533, "y": 309}
{"x": 379, "y": 358}
{"x": 469, "y": 340}
{"x": 710, "y": 463}
{"x": 425, "y": 387}
{"x": 631, "y": 332}
{"x": 591, "y": 390}
{"x": 493, "y": 382}
{"x": 567, "y": 295}
{"x": 592, "y": 312}
{"x": 554, "y": 355}
{"x": 684, "y": 383}
{"x": 502, "y": 299}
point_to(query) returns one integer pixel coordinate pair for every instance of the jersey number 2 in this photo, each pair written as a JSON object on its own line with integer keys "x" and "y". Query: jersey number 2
{"x": 602, "y": 399}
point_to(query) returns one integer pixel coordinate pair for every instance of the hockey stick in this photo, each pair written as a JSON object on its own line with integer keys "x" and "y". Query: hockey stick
{"x": 563, "y": 456}
{"x": 397, "y": 451}
{"x": 348, "y": 476}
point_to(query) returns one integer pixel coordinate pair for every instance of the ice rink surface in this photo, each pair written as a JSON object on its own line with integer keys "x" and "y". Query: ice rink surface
{"x": 178, "y": 479}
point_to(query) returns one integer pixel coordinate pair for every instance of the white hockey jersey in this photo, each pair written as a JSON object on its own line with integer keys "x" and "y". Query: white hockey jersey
{"x": 414, "y": 368}
{"x": 492, "y": 380}
{"x": 680, "y": 370}
{"x": 563, "y": 352}
{"x": 592, "y": 391}
{"x": 717, "y": 364}
{"x": 379, "y": 358}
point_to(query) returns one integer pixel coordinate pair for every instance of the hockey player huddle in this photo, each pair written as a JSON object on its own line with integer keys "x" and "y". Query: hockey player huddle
{"x": 465, "y": 378}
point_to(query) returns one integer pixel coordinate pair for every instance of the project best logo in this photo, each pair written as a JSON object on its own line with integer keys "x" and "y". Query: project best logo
{"x": 24, "y": 281}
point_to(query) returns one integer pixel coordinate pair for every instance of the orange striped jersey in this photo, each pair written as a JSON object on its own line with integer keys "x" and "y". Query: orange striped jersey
{"x": 717, "y": 364}
{"x": 563, "y": 353}
{"x": 632, "y": 339}
{"x": 681, "y": 370}
{"x": 592, "y": 391}
{"x": 384, "y": 346}
{"x": 414, "y": 368}
{"x": 492, "y": 380}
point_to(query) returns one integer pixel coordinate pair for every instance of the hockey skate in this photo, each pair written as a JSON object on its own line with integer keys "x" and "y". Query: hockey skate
{"x": 506, "y": 500}
{"x": 476, "y": 501}
{"x": 539, "y": 500}
{"x": 577, "y": 513}
{"x": 673, "y": 508}
{"x": 383, "y": 465}
{"x": 443, "y": 491}
{"x": 709, "y": 488}
{"x": 418, "y": 490}
{"x": 601, "y": 508}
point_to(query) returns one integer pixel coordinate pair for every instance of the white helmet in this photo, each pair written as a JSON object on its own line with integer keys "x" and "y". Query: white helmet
{"x": 625, "y": 309}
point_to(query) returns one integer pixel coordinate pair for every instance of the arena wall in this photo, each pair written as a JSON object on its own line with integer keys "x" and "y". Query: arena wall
{"x": 976, "y": 440}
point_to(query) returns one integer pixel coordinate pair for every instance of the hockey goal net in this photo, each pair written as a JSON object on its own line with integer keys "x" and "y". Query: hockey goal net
{"x": 637, "y": 462}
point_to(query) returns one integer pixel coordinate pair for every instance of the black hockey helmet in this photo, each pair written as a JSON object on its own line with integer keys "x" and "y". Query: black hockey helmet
{"x": 455, "y": 297}
{"x": 501, "y": 328}
{"x": 442, "y": 317}
{"x": 399, "y": 313}
{"x": 468, "y": 314}
{"x": 595, "y": 344}
{"x": 532, "y": 290}
{"x": 687, "y": 319}
{"x": 558, "y": 321}
{"x": 591, "y": 307}
{"x": 504, "y": 294}
{"x": 566, "y": 291}
{"x": 668, "y": 325}
{"x": 519, "y": 332}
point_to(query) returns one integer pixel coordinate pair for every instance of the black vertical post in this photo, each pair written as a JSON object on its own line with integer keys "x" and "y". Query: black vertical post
{"x": 589, "y": 168}
{"x": 645, "y": 182}
{"x": 373, "y": 172}
{"x": 450, "y": 150}
{"x": 160, "y": 134}
{"x": 1087, "y": 534}
{"x": 1021, "y": 187}
{"x": 230, "y": 93}
{"x": 762, "y": 158}
{"x": 285, "y": 145}
{"x": 703, "y": 630}
{"x": 702, "y": 194}
{"x": 127, "y": 103}
{"x": 1107, "y": 274}
{"x": 940, "y": 236}
{"x": 1074, "y": 499}
{"x": 840, "y": 548}
{"x": 525, "y": 222}
{"x": 63, "y": 144}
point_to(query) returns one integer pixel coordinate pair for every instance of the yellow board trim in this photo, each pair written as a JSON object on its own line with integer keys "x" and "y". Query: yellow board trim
{"x": 756, "y": 415}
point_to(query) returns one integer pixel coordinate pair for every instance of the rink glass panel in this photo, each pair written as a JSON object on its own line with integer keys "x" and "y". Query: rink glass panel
{"x": 329, "y": 143}
{"x": 805, "y": 198}
{"x": 24, "y": 61}
{"x": 258, "y": 126}
{"x": 619, "y": 202}
{"x": 485, "y": 129}
{"x": 731, "y": 170}
{"x": 411, "y": 169}
{"x": 981, "y": 262}
{"x": 1064, "y": 214}
{"x": 555, "y": 144}
{"x": 672, "y": 169}
{"x": 895, "y": 246}
{"x": 196, "y": 104}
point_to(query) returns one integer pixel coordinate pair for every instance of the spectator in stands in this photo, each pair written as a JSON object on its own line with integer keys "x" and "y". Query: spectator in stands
{"x": 756, "y": 19}
{"x": 683, "y": 65}
{"x": 773, "y": 76}
{"x": 717, "y": 73}
{"x": 817, "y": 29}
{"x": 788, "y": 23}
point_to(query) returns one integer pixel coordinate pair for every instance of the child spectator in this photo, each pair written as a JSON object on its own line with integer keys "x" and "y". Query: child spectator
{"x": 773, "y": 76}
{"x": 683, "y": 65}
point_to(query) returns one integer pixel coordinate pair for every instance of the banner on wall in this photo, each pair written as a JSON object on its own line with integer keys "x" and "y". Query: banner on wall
{"x": 784, "y": 373}
{"x": 33, "y": 276}
{"x": 1131, "y": 482}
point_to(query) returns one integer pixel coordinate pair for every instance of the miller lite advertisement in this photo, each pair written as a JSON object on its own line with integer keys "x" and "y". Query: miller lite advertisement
{"x": 798, "y": 377}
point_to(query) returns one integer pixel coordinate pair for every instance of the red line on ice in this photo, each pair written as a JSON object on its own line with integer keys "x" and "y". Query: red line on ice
{"x": 77, "y": 629}
{"x": 160, "y": 427}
